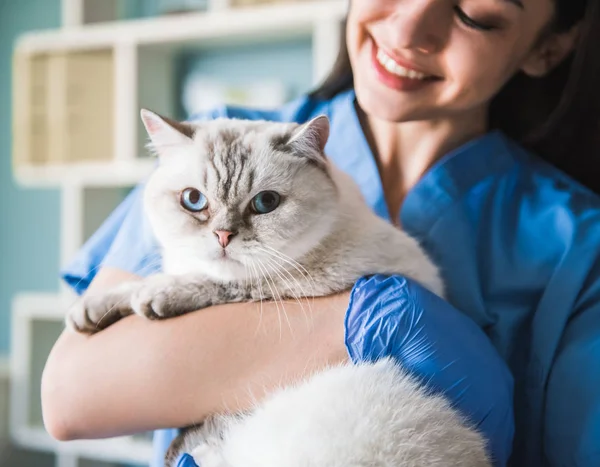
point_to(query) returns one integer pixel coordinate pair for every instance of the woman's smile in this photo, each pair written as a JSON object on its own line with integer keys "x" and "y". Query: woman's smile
{"x": 397, "y": 73}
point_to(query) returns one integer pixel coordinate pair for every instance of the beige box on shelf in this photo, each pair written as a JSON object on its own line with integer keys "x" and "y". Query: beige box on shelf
{"x": 63, "y": 107}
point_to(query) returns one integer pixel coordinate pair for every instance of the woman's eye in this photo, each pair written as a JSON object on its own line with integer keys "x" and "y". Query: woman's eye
{"x": 192, "y": 200}
{"x": 265, "y": 202}
{"x": 470, "y": 22}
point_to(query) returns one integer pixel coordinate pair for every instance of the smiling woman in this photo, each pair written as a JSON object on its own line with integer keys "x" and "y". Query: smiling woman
{"x": 471, "y": 49}
{"x": 446, "y": 115}
{"x": 503, "y": 64}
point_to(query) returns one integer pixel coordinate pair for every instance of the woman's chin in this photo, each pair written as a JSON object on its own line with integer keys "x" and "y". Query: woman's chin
{"x": 391, "y": 106}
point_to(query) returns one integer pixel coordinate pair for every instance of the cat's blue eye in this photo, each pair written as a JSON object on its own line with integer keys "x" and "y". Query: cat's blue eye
{"x": 192, "y": 200}
{"x": 265, "y": 201}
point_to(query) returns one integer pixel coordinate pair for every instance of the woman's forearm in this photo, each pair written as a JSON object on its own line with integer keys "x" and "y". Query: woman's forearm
{"x": 140, "y": 375}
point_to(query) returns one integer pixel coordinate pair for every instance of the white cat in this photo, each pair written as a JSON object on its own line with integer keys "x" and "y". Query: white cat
{"x": 247, "y": 210}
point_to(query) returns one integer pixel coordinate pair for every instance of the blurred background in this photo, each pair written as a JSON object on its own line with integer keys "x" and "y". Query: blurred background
{"x": 73, "y": 76}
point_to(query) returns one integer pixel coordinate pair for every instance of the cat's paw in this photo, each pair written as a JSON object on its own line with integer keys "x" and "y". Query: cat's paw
{"x": 93, "y": 313}
{"x": 96, "y": 311}
{"x": 157, "y": 298}
{"x": 77, "y": 319}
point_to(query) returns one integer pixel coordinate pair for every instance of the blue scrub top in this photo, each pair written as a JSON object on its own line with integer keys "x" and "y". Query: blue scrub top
{"x": 518, "y": 243}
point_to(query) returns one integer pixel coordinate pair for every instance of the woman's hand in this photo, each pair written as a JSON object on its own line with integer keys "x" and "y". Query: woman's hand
{"x": 185, "y": 460}
{"x": 393, "y": 316}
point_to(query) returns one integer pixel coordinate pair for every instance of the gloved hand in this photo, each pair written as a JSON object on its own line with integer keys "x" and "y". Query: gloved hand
{"x": 447, "y": 351}
{"x": 185, "y": 460}
{"x": 394, "y": 316}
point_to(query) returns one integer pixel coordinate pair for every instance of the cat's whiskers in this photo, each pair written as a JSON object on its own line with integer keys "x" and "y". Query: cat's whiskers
{"x": 308, "y": 297}
{"x": 278, "y": 256}
{"x": 278, "y": 267}
{"x": 309, "y": 280}
{"x": 279, "y": 294}
{"x": 290, "y": 259}
{"x": 258, "y": 279}
{"x": 295, "y": 264}
{"x": 246, "y": 275}
{"x": 274, "y": 296}
{"x": 263, "y": 277}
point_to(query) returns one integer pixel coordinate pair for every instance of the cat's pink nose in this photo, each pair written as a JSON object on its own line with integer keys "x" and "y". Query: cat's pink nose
{"x": 224, "y": 237}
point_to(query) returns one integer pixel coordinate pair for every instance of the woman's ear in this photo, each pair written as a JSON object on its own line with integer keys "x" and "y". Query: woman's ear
{"x": 550, "y": 53}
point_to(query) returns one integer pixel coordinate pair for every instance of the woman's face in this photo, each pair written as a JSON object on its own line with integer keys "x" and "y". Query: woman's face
{"x": 429, "y": 59}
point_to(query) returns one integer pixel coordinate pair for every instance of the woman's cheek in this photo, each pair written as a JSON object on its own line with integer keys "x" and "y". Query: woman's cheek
{"x": 472, "y": 76}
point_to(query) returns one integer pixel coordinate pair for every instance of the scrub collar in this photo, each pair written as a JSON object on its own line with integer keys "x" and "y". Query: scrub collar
{"x": 446, "y": 182}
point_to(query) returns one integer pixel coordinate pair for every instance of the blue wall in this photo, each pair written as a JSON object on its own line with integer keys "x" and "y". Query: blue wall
{"x": 29, "y": 232}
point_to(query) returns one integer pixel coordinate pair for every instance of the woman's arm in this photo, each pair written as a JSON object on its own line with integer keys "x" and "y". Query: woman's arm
{"x": 140, "y": 375}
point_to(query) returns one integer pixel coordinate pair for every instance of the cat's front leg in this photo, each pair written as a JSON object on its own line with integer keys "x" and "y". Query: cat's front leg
{"x": 98, "y": 310}
{"x": 159, "y": 296}
{"x": 164, "y": 296}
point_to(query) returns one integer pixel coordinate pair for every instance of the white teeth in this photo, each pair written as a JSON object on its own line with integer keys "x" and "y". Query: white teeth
{"x": 390, "y": 65}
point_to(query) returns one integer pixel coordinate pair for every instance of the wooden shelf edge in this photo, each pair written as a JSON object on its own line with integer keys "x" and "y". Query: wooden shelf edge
{"x": 109, "y": 174}
{"x": 256, "y": 22}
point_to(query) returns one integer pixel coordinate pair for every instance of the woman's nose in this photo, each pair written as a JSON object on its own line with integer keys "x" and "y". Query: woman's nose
{"x": 419, "y": 25}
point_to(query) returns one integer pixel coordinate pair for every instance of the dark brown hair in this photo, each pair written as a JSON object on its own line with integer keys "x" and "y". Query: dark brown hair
{"x": 557, "y": 116}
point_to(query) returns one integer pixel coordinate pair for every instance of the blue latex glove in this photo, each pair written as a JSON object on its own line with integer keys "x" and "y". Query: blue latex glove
{"x": 393, "y": 316}
{"x": 185, "y": 460}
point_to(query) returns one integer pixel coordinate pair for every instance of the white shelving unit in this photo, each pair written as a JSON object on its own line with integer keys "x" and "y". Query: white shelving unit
{"x": 318, "y": 19}
{"x": 37, "y": 321}
{"x": 135, "y": 44}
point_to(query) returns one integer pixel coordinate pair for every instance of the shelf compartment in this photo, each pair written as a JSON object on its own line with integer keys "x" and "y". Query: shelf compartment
{"x": 63, "y": 109}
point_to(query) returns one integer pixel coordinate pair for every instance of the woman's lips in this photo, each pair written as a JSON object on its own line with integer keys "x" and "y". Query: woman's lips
{"x": 398, "y": 76}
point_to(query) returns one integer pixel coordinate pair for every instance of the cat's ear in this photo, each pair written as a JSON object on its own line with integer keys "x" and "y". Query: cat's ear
{"x": 311, "y": 138}
{"x": 165, "y": 132}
